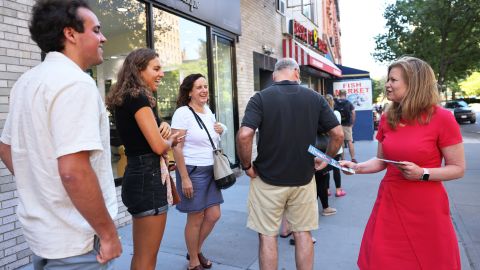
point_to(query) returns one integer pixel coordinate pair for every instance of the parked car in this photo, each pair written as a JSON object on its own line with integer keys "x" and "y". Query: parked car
{"x": 461, "y": 110}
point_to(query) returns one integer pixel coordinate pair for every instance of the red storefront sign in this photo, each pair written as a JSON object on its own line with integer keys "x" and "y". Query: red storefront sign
{"x": 309, "y": 37}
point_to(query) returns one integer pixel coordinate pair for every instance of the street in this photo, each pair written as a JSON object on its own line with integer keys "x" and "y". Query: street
{"x": 471, "y": 132}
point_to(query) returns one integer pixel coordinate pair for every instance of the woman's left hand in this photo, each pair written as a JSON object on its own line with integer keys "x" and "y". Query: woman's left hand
{"x": 410, "y": 170}
{"x": 218, "y": 128}
{"x": 164, "y": 130}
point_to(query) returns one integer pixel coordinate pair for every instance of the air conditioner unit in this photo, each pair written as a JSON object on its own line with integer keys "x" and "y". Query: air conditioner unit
{"x": 285, "y": 21}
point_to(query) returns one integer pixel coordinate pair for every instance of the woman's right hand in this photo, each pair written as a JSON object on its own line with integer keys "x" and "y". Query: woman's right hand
{"x": 187, "y": 187}
{"x": 348, "y": 164}
{"x": 173, "y": 140}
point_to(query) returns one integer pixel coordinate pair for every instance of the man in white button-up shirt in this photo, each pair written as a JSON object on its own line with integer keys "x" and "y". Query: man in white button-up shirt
{"x": 56, "y": 143}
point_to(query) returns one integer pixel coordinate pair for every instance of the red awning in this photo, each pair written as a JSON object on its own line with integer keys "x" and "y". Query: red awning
{"x": 306, "y": 56}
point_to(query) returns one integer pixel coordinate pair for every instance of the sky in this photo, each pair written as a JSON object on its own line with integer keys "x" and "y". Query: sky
{"x": 360, "y": 22}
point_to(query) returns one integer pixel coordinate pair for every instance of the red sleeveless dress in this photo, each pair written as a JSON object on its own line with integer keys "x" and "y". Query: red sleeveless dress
{"x": 410, "y": 225}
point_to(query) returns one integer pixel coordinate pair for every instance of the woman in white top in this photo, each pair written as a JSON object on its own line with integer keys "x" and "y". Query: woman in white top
{"x": 200, "y": 198}
{"x": 336, "y": 172}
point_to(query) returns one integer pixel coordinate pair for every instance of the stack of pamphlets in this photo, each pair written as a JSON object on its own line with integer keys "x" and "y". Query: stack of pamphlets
{"x": 319, "y": 154}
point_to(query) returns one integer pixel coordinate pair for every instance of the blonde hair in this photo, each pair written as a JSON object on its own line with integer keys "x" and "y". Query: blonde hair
{"x": 421, "y": 96}
{"x": 330, "y": 100}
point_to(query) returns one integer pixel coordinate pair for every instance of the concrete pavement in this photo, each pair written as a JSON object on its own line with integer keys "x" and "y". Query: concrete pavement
{"x": 232, "y": 246}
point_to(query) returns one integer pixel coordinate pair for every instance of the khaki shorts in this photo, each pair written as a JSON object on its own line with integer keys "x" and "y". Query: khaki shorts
{"x": 347, "y": 132}
{"x": 268, "y": 203}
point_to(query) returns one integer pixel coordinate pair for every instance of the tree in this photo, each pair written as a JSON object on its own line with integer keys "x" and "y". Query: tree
{"x": 445, "y": 33}
{"x": 378, "y": 88}
{"x": 471, "y": 86}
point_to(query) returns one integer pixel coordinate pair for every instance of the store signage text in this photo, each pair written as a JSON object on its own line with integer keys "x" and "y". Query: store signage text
{"x": 359, "y": 92}
{"x": 308, "y": 36}
{"x": 192, "y": 3}
{"x": 355, "y": 88}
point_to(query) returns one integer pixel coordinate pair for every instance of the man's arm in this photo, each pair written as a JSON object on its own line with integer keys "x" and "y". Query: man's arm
{"x": 6, "y": 156}
{"x": 81, "y": 184}
{"x": 244, "y": 148}
{"x": 336, "y": 139}
{"x": 354, "y": 116}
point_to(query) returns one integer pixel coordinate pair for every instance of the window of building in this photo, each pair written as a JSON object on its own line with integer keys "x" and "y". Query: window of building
{"x": 182, "y": 47}
{"x": 307, "y": 7}
{"x": 124, "y": 24}
{"x": 281, "y": 6}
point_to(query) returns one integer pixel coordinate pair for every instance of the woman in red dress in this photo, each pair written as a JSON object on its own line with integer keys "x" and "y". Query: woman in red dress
{"x": 410, "y": 225}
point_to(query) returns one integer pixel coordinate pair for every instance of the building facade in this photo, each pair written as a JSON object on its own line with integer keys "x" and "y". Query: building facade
{"x": 275, "y": 29}
{"x": 189, "y": 37}
{"x": 236, "y": 51}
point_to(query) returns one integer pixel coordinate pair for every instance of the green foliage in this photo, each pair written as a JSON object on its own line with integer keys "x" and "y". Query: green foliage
{"x": 445, "y": 33}
{"x": 378, "y": 88}
{"x": 471, "y": 86}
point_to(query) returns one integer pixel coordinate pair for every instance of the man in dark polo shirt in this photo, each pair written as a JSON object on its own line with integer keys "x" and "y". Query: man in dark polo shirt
{"x": 288, "y": 117}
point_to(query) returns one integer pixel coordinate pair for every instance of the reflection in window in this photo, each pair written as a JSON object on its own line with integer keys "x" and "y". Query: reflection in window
{"x": 124, "y": 25}
{"x": 181, "y": 45}
{"x": 222, "y": 60}
{"x": 308, "y": 9}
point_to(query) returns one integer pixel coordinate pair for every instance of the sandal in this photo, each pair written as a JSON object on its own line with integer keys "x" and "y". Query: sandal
{"x": 198, "y": 267}
{"x": 286, "y": 235}
{"x": 205, "y": 263}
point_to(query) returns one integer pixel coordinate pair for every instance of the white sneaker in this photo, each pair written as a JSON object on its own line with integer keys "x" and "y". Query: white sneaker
{"x": 329, "y": 211}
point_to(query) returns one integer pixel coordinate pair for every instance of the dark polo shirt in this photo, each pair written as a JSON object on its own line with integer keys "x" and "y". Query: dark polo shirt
{"x": 288, "y": 117}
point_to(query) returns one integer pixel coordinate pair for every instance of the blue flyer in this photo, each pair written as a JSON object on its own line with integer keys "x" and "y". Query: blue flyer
{"x": 319, "y": 154}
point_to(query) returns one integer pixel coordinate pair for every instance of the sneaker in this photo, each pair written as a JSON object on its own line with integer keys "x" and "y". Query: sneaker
{"x": 329, "y": 211}
{"x": 340, "y": 193}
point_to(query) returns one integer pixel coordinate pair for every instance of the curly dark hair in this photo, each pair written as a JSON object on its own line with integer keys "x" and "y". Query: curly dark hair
{"x": 50, "y": 17}
{"x": 129, "y": 79}
{"x": 186, "y": 87}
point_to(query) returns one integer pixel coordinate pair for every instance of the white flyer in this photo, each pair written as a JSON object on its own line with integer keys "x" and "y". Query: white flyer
{"x": 319, "y": 154}
{"x": 391, "y": 161}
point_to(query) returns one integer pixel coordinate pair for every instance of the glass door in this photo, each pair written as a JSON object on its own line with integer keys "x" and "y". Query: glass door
{"x": 224, "y": 101}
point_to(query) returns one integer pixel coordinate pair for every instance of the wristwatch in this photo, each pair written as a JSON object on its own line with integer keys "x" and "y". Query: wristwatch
{"x": 248, "y": 167}
{"x": 426, "y": 174}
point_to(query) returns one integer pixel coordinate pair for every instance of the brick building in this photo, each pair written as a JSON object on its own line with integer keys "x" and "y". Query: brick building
{"x": 301, "y": 29}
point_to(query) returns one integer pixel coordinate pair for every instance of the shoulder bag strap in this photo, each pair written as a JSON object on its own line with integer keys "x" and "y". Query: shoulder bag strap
{"x": 202, "y": 126}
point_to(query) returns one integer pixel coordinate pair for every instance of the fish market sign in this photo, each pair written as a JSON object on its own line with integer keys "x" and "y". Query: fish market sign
{"x": 192, "y": 3}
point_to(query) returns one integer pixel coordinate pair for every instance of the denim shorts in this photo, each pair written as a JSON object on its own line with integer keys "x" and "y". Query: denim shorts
{"x": 142, "y": 190}
{"x": 86, "y": 261}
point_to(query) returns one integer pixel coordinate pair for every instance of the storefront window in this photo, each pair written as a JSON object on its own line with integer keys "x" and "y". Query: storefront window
{"x": 308, "y": 9}
{"x": 182, "y": 47}
{"x": 124, "y": 25}
{"x": 222, "y": 60}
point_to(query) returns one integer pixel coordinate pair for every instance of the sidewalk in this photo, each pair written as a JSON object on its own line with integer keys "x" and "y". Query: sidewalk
{"x": 232, "y": 246}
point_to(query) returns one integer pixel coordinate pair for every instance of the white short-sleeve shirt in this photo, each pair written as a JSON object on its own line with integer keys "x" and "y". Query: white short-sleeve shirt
{"x": 339, "y": 118}
{"x": 55, "y": 110}
{"x": 197, "y": 148}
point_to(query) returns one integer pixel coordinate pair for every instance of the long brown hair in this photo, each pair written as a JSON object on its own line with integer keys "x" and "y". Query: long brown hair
{"x": 185, "y": 88}
{"x": 421, "y": 96}
{"x": 129, "y": 80}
